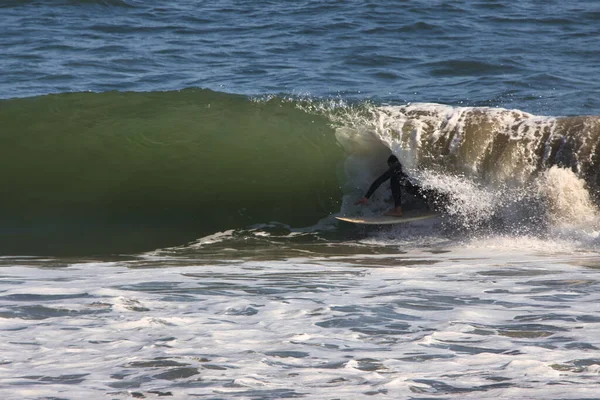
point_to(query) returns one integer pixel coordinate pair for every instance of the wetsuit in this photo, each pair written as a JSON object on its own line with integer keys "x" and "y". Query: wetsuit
{"x": 397, "y": 179}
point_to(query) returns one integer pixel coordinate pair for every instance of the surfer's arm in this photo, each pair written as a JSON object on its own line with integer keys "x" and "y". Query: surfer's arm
{"x": 384, "y": 177}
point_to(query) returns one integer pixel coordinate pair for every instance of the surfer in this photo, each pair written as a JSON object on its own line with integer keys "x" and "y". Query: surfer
{"x": 397, "y": 179}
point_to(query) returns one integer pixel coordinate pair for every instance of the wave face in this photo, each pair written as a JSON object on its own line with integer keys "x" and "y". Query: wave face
{"x": 124, "y": 172}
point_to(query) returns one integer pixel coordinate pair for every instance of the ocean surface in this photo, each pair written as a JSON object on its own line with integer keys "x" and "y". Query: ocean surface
{"x": 170, "y": 173}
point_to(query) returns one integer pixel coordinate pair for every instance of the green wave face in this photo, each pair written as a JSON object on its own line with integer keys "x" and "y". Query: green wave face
{"x": 124, "y": 172}
{"x": 86, "y": 173}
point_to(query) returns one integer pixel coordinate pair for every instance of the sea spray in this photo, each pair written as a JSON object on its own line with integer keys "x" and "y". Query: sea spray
{"x": 489, "y": 164}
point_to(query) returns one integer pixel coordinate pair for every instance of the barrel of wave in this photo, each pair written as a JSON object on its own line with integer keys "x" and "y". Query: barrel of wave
{"x": 489, "y": 161}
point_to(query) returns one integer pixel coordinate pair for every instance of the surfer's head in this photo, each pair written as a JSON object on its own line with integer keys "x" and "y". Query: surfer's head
{"x": 392, "y": 160}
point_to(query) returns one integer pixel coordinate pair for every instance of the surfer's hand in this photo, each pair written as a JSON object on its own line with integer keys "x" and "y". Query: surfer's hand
{"x": 364, "y": 200}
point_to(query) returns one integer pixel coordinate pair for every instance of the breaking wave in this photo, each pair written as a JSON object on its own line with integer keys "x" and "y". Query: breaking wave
{"x": 126, "y": 172}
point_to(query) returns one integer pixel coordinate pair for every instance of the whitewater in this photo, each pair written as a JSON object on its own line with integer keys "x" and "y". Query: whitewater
{"x": 392, "y": 315}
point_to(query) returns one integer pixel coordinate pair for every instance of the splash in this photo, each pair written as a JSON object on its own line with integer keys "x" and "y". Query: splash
{"x": 568, "y": 200}
{"x": 492, "y": 165}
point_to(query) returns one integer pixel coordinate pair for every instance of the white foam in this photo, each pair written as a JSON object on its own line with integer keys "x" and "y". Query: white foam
{"x": 568, "y": 200}
{"x": 351, "y": 323}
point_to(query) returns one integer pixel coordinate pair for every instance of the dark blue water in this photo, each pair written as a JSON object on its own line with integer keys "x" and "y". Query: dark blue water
{"x": 540, "y": 57}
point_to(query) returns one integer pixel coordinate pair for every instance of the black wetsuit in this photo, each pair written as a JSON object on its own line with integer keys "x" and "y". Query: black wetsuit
{"x": 397, "y": 179}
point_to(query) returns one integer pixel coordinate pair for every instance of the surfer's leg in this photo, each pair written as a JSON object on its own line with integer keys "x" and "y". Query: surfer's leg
{"x": 421, "y": 194}
{"x": 396, "y": 192}
{"x": 397, "y": 195}
{"x": 426, "y": 195}
{"x": 414, "y": 190}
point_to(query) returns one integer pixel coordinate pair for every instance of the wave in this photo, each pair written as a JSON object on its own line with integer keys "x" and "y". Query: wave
{"x": 121, "y": 172}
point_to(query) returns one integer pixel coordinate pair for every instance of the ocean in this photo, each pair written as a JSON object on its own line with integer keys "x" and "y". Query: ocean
{"x": 171, "y": 172}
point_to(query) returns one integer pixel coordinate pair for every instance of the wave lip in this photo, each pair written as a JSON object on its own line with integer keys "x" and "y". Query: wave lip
{"x": 493, "y": 144}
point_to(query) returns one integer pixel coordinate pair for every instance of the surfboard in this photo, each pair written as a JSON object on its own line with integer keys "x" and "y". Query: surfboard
{"x": 385, "y": 220}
